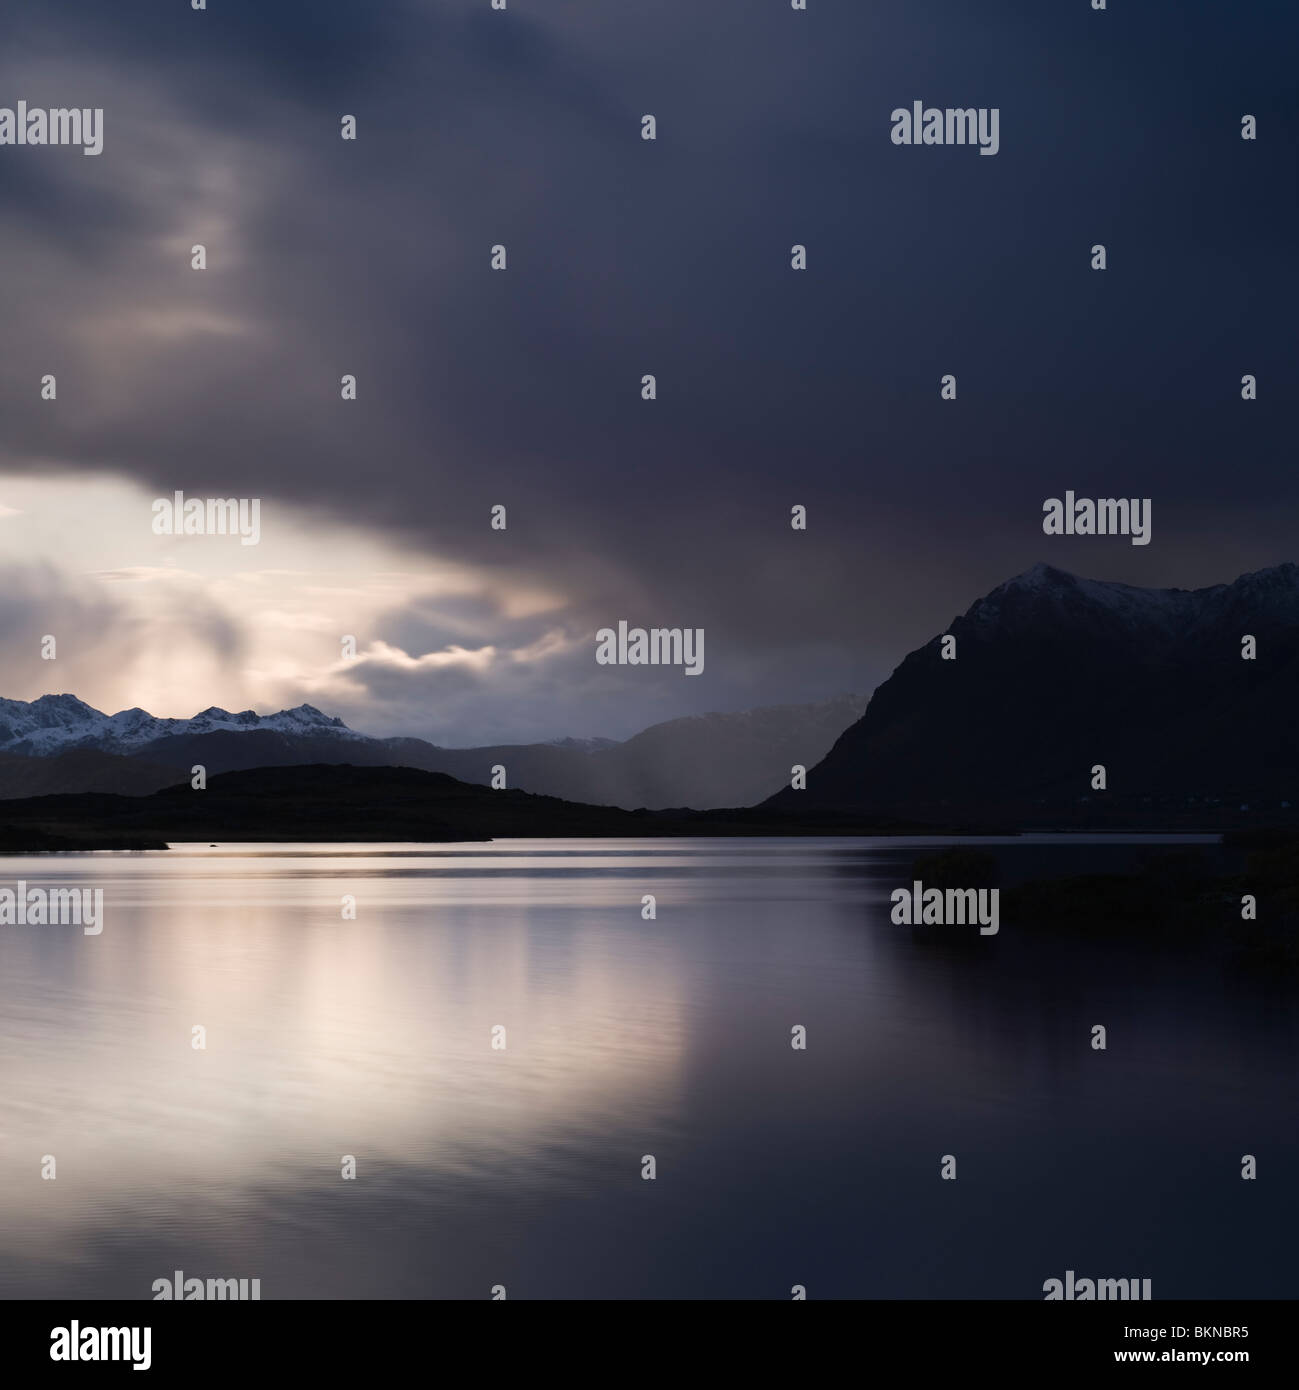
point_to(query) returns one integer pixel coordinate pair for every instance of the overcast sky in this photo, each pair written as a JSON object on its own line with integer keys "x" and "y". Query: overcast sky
{"x": 625, "y": 257}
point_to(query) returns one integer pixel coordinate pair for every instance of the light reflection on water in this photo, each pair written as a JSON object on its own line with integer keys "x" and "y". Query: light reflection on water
{"x": 626, "y": 1037}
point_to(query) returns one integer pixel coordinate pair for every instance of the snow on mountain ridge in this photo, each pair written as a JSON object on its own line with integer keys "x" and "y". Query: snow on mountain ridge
{"x": 54, "y": 723}
{"x": 1028, "y": 598}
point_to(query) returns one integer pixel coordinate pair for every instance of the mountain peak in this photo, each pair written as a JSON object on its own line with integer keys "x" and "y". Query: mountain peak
{"x": 64, "y": 701}
{"x": 1042, "y": 573}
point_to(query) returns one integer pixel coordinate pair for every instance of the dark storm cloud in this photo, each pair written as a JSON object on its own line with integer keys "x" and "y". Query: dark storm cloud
{"x": 673, "y": 258}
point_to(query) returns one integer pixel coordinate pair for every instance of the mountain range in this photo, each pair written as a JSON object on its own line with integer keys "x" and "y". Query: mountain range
{"x": 55, "y": 723}
{"x": 59, "y": 744}
{"x": 1053, "y": 702}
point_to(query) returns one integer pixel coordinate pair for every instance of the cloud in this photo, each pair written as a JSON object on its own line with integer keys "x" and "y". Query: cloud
{"x": 522, "y": 388}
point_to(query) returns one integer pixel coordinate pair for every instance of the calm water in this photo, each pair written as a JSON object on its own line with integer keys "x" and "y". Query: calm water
{"x": 625, "y": 1037}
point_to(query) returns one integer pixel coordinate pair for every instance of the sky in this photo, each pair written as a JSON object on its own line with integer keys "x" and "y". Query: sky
{"x": 523, "y": 388}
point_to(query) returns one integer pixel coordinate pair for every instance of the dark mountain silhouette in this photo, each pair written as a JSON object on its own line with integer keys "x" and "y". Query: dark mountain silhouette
{"x": 701, "y": 761}
{"x": 344, "y": 803}
{"x": 1054, "y": 674}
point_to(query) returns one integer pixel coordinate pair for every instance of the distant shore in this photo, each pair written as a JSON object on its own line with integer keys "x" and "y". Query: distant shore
{"x": 332, "y": 803}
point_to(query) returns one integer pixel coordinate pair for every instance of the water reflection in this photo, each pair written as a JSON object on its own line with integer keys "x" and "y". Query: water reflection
{"x": 626, "y": 1036}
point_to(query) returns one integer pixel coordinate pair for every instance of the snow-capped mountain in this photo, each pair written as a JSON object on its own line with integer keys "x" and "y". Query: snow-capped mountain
{"x": 1045, "y": 594}
{"x": 57, "y": 723}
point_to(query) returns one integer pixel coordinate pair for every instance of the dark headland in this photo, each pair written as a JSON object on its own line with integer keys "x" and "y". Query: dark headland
{"x": 340, "y": 803}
